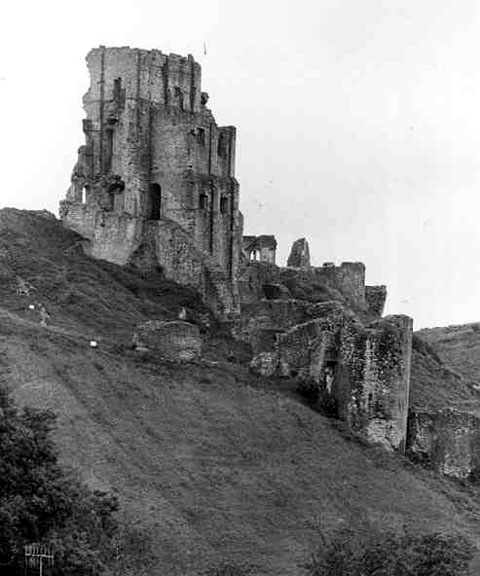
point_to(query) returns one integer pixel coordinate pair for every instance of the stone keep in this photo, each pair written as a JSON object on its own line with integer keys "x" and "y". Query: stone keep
{"x": 155, "y": 183}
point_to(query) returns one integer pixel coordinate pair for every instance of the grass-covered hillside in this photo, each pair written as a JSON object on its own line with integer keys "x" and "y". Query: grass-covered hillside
{"x": 221, "y": 466}
{"x": 459, "y": 346}
{"x": 436, "y": 382}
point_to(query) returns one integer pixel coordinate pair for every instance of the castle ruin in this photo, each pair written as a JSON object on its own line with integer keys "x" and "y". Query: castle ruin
{"x": 154, "y": 187}
{"x": 154, "y": 184}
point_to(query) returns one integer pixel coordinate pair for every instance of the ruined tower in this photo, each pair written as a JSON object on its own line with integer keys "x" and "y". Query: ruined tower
{"x": 155, "y": 183}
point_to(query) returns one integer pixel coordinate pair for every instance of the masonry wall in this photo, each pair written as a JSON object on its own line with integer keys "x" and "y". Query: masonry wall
{"x": 174, "y": 341}
{"x": 348, "y": 279}
{"x": 153, "y": 151}
{"x": 252, "y": 278}
{"x": 300, "y": 347}
{"x": 184, "y": 263}
{"x": 343, "y": 283}
{"x": 379, "y": 403}
{"x": 146, "y": 123}
{"x": 270, "y": 315}
{"x": 276, "y": 316}
{"x": 448, "y": 440}
{"x": 362, "y": 373}
{"x": 375, "y": 298}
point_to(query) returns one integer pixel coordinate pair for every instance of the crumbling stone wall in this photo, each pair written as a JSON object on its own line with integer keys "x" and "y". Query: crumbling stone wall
{"x": 382, "y": 398}
{"x": 267, "y": 318}
{"x": 149, "y": 245}
{"x": 153, "y": 152}
{"x": 362, "y": 373}
{"x": 299, "y": 254}
{"x": 259, "y": 248}
{"x": 175, "y": 341}
{"x": 345, "y": 283}
{"x": 260, "y": 324}
{"x": 448, "y": 440}
{"x": 348, "y": 280}
{"x": 302, "y": 349}
{"x": 375, "y": 298}
{"x": 112, "y": 237}
{"x": 184, "y": 263}
{"x": 252, "y": 278}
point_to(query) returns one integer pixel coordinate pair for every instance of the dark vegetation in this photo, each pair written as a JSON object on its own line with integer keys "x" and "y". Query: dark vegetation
{"x": 40, "y": 503}
{"x": 375, "y": 552}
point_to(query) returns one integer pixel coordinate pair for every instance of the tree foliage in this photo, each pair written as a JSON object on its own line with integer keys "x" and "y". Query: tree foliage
{"x": 387, "y": 553}
{"x": 40, "y": 503}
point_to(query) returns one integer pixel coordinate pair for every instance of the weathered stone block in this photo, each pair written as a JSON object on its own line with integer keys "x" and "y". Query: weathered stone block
{"x": 299, "y": 254}
{"x": 375, "y": 297}
{"x": 382, "y": 396}
{"x": 176, "y": 341}
{"x": 364, "y": 372}
{"x": 447, "y": 439}
{"x": 347, "y": 281}
{"x": 276, "y": 316}
{"x": 264, "y": 364}
{"x": 252, "y": 278}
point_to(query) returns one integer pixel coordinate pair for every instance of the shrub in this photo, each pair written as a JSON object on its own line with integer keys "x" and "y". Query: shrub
{"x": 309, "y": 389}
{"x": 40, "y": 503}
{"x": 387, "y": 553}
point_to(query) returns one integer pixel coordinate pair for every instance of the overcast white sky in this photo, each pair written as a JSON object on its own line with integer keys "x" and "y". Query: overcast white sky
{"x": 358, "y": 123}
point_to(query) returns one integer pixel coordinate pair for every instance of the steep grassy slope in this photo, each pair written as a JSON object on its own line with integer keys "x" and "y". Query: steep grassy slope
{"x": 459, "y": 346}
{"x": 220, "y": 465}
{"x": 43, "y": 263}
{"x": 435, "y": 383}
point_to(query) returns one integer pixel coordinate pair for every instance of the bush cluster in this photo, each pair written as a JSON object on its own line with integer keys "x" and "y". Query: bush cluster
{"x": 387, "y": 553}
{"x": 40, "y": 503}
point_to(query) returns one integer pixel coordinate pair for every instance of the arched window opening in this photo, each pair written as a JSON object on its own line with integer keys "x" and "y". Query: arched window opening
{"x": 117, "y": 88}
{"x": 179, "y": 97}
{"x": 109, "y": 150}
{"x": 329, "y": 375}
{"x": 201, "y": 136}
{"x": 155, "y": 199}
{"x": 222, "y": 145}
{"x": 223, "y": 205}
{"x": 203, "y": 201}
{"x": 85, "y": 191}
